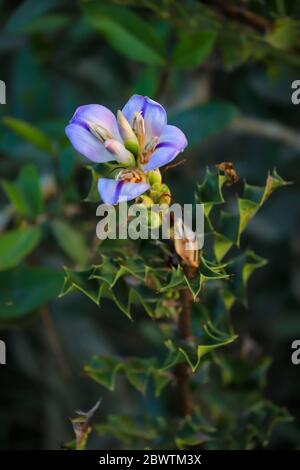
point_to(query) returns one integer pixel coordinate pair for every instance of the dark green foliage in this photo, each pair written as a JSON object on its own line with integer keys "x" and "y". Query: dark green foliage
{"x": 215, "y": 73}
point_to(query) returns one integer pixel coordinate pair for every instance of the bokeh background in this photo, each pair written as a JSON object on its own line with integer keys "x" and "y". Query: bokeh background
{"x": 224, "y": 73}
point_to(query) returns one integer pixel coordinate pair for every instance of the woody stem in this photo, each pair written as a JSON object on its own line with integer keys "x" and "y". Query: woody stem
{"x": 182, "y": 371}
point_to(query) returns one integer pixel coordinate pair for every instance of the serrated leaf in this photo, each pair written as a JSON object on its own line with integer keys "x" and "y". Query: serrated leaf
{"x": 191, "y": 353}
{"x": 241, "y": 269}
{"x": 128, "y": 430}
{"x": 210, "y": 193}
{"x": 83, "y": 282}
{"x": 104, "y": 370}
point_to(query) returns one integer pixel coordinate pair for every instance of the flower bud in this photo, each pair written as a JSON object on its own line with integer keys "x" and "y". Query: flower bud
{"x": 121, "y": 154}
{"x": 154, "y": 219}
{"x": 127, "y": 134}
{"x": 154, "y": 176}
{"x": 145, "y": 200}
{"x": 161, "y": 193}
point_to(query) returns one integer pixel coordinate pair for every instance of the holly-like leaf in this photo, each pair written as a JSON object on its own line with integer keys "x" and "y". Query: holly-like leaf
{"x": 241, "y": 269}
{"x": 192, "y": 353}
{"x": 104, "y": 370}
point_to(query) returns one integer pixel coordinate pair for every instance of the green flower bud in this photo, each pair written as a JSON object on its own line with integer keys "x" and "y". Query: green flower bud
{"x": 154, "y": 219}
{"x": 161, "y": 193}
{"x": 146, "y": 201}
{"x": 154, "y": 177}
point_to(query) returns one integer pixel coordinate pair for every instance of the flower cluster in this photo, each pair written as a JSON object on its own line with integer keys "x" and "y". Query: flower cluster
{"x": 139, "y": 139}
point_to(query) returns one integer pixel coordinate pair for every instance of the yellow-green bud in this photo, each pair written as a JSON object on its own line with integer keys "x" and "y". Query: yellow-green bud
{"x": 154, "y": 177}
{"x": 145, "y": 200}
{"x": 161, "y": 193}
{"x": 154, "y": 219}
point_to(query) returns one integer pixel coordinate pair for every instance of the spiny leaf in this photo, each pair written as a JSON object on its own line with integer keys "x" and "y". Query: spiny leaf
{"x": 191, "y": 353}
{"x": 104, "y": 370}
{"x": 241, "y": 269}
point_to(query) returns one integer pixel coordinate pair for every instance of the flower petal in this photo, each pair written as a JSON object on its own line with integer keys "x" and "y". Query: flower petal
{"x": 98, "y": 115}
{"x": 113, "y": 192}
{"x": 154, "y": 114}
{"x": 87, "y": 144}
{"x": 172, "y": 141}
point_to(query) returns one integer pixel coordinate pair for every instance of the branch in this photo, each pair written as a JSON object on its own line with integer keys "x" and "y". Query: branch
{"x": 241, "y": 14}
{"x": 269, "y": 129}
{"x": 182, "y": 371}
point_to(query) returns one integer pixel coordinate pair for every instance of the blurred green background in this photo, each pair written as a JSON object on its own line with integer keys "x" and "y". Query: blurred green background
{"x": 225, "y": 77}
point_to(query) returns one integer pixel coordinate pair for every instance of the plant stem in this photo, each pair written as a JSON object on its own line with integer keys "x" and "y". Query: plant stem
{"x": 182, "y": 371}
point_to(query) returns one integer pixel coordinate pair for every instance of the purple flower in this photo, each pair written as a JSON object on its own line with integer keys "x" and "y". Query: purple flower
{"x": 139, "y": 139}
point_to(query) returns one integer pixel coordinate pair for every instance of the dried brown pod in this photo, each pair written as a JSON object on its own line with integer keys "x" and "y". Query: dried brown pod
{"x": 190, "y": 256}
{"x": 229, "y": 171}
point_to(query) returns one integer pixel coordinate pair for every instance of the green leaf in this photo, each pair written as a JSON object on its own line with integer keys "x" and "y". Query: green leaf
{"x": 26, "y": 12}
{"x": 29, "y": 184}
{"x": 71, "y": 241}
{"x": 232, "y": 225}
{"x": 210, "y": 191}
{"x": 81, "y": 281}
{"x": 203, "y": 121}
{"x": 126, "y": 32}
{"x": 25, "y": 194}
{"x": 104, "y": 370}
{"x": 254, "y": 197}
{"x": 29, "y": 132}
{"x": 241, "y": 269}
{"x": 193, "y": 49}
{"x": 48, "y": 22}
{"x": 24, "y": 289}
{"x": 138, "y": 372}
{"x": 16, "y": 244}
{"x": 192, "y": 353}
{"x": 284, "y": 34}
{"x": 131, "y": 432}
{"x": 17, "y": 198}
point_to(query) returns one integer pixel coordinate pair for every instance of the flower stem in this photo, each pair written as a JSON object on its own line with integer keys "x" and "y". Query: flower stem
{"x": 182, "y": 371}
